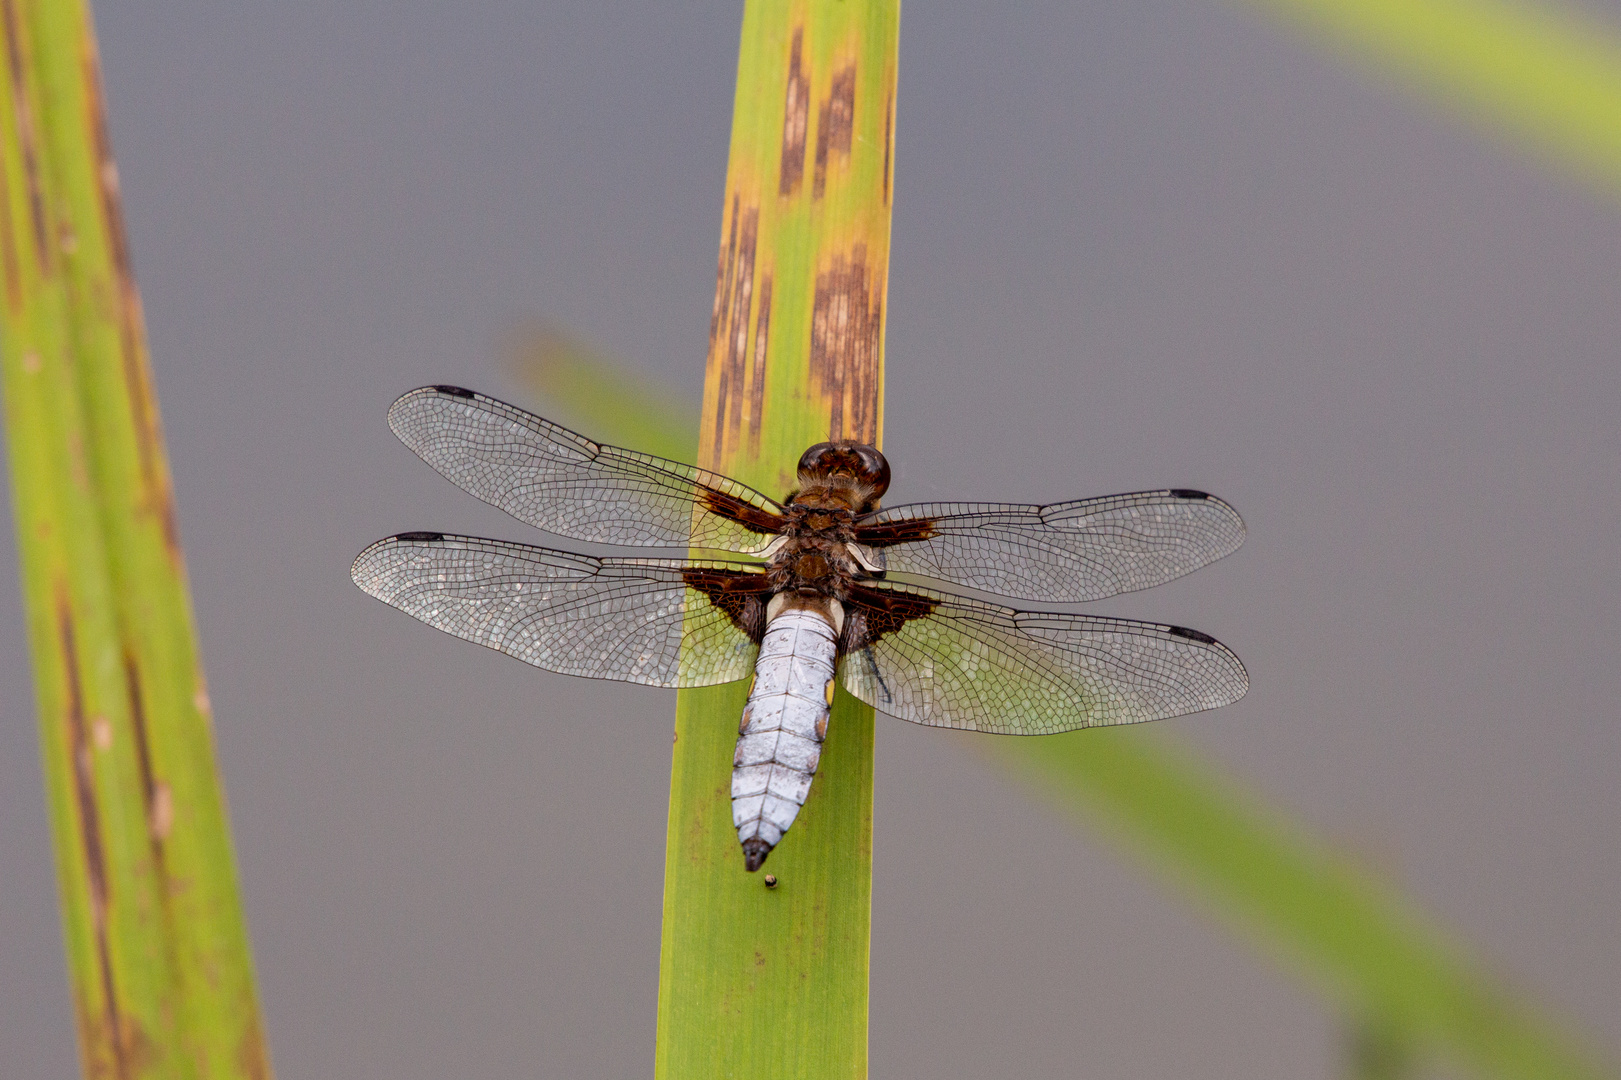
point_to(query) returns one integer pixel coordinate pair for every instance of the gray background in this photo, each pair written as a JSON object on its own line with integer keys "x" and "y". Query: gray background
{"x": 1135, "y": 245}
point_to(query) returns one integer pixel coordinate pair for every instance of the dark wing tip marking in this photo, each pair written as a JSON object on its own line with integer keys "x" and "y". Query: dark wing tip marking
{"x": 1192, "y": 635}
{"x": 1189, "y": 493}
{"x": 455, "y": 391}
{"x": 419, "y": 536}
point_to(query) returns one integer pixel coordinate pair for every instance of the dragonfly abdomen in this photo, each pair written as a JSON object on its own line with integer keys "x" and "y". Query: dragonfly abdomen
{"x": 780, "y": 739}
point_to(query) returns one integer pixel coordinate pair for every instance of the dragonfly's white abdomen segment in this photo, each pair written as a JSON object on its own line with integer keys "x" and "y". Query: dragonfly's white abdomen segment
{"x": 780, "y": 740}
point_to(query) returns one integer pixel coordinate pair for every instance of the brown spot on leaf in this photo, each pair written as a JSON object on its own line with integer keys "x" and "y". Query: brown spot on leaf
{"x": 729, "y": 347}
{"x": 84, "y": 789}
{"x": 757, "y": 366}
{"x": 846, "y": 337}
{"x": 835, "y": 125}
{"x": 795, "y": 120}
{"x": 155, "y": 794}
{"x": 252, "y": 1055}
{"x": 735, "y": 374}
{"x": 157, "y": 495}
{"x": 889, "y": 120}
{"x": 114, "y": 1048}
{"x": 723, "y": 279}
{"x": 27, "y": 135}
{"x": 112, "y": 206}
{"x": 10, "y": 266}
{"x": 110, "y": 1046}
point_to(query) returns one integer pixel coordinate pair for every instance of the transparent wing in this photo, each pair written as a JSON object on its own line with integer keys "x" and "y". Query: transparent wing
{"x": 949, "y": 661}
{"x": 550, "y": 477}
{"x": 636, "y": 620}
{"x": 1064, "y": 553}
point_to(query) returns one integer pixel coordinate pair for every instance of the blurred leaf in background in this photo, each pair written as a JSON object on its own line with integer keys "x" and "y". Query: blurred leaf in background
{"x": 596, "y": 394}
{"x": 1539, "y": 75}
{"x": 158, "y": 957}
{"x": 1410, "y": 994}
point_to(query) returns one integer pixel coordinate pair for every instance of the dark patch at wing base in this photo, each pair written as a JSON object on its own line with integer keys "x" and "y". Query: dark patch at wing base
{"x": 887, "y": 533}
{"x": 872, "y": 613}
{"x": 732, "y": 508}
{"x": 741, "y": 595}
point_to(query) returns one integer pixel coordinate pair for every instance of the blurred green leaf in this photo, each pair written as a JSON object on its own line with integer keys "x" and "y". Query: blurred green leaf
{"x": 600, "y": 396}
{"x": 1410, "y": 991}
{"x": 1540, "y": 74}
{"x": 158, "y": 958}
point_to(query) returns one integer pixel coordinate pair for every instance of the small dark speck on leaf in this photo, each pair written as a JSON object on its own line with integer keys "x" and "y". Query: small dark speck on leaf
{"x": 771, "y": 881}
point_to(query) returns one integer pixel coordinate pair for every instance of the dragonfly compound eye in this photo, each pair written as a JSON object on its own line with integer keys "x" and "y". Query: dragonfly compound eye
{"x": 856, "y": 460}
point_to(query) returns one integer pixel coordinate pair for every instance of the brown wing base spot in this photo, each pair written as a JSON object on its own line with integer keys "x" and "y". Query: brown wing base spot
{"x": 869, "y": 614}
{"x": 746, "y": 514}
{"x": 889, "y": 533}
{"x": 741, "y": 594}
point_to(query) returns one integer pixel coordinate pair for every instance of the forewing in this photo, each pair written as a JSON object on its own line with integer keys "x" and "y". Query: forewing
{"x": 636, "y": 620}
{"x": 1064, "y": 553}
{"x": 550, "y": 477}
{"x": 950, "y": 661}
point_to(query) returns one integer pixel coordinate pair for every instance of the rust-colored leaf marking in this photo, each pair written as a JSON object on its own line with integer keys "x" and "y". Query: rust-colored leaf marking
{"x": 10, "y": 265}
{"x": 120, "y": 1055}
{"x": 835, "y": 125}
{"x": 846, "y": 334}
{"x": 730, "y": 348}
{"x": 112, "y": 203}
{"x": 795, "y": 120}
{"x": 735, "y": 374}
{"x": 154, "y": 793}
{"x": 252, "y": 1055}
{"x": 26, "y": 135}
{"x": 723, "y": 278}
{"x": 95, "y": 855}
{"x": 157, "y": 496}
{"x": 889, "y": 120}
{"x": 762, "y": 338}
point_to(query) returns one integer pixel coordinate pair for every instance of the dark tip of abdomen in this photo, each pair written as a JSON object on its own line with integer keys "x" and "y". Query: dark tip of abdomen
{"x": 754, "y": 852}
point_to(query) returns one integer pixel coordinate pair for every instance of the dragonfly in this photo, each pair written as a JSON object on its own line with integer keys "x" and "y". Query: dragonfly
{"x": 821, "y": 588}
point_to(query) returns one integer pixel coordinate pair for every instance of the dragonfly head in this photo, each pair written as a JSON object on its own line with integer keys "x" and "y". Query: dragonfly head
{"x": 856, "y": 467}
